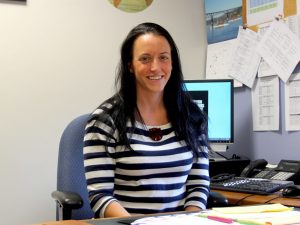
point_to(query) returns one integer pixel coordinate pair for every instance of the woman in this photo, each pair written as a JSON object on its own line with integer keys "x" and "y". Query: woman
{"x": 145, "y": 148}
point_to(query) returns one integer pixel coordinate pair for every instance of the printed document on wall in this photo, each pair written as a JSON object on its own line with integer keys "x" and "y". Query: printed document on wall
{"x": 264, "y": 69}
{"x": 280, "y": 48}
{"x": 261, "y": 11}
{"x": 293, "y": 23}
{"x": 218, "y": 60}
{"x": 265, "y": 104}
{"x": 245, "y": 60}
{"x": 292, "y": 103}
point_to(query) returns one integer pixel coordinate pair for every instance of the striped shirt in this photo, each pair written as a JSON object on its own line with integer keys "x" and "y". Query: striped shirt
{"x": 157, "y": 176}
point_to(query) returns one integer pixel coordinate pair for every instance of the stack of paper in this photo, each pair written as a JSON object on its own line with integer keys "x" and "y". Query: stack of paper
{"x": 269, "y": 214}
{"x": 260, "y": 214}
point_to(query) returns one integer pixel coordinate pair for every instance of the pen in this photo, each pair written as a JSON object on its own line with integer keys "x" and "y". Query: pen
{"x": 220, "y": 219}
{"x": 217, "y": 218}
{"x": 250, "y": 222}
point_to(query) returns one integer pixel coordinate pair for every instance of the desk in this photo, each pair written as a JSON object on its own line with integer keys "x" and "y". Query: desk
{"x": 107, "y": 221}
{"x": 234, "y": 198}
{"x": 238, "y": 198}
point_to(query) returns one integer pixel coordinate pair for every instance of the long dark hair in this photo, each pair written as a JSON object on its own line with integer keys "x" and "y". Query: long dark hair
{"x": 188, "y": 121}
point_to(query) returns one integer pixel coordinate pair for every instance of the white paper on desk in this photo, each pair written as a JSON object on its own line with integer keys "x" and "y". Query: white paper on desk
{"x": 280, "y": 48}
{"x": 218, "y": 62}
{"x": 245, "y": 60}
{"x": 292, "y": 103}
{"x": 262, "y": 11}
{"x": 286, "y": 217}
{"x": 177, "y": 219}
{"x": 265, "y": 104}
{"x": 260, "y": 215}
{"x": 193, "y": 219}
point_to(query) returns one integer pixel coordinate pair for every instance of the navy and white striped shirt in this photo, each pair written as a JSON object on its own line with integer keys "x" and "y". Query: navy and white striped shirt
{"x": 157, "y": 176}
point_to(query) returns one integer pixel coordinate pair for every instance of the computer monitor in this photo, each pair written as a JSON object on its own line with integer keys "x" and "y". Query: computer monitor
{"x": 215, "y": 98}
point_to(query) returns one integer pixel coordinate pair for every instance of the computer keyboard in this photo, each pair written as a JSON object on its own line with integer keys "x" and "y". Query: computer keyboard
{"x": 251, "y": 185}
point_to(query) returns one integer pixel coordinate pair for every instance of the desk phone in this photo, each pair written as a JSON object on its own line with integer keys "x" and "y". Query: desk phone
{"x": 288, "y": 170}
{"x": 257, "y": 178}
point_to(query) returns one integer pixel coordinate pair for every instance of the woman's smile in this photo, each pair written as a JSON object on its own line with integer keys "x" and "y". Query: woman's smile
{"x": 155, "y": 77}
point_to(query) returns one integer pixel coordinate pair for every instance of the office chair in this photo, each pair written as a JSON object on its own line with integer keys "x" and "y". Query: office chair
{"x": 71, "y": 195}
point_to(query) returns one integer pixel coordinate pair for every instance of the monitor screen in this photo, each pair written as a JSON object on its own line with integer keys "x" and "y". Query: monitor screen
{"x": 215, "y": 98}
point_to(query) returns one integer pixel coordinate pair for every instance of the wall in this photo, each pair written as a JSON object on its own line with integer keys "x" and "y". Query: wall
{"x": 57, "y": 61}
{"x": 270, "y": 145}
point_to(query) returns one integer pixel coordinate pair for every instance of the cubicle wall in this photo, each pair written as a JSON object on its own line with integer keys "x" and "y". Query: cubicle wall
{"x": 270, "y": 145}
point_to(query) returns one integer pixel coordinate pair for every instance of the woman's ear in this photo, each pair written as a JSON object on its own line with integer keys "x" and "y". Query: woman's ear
{"x": 130, "y": 67}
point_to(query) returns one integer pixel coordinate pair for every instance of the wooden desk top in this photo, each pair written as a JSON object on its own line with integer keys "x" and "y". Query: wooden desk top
{"x": 65, "y": 222}
{"x": 238, "y": 198}
{"x": 234, "y": 198}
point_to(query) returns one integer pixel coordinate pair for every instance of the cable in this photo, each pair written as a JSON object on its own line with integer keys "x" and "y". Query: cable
{"x": 234, "y": 156}
{"x": 222, "y": 155}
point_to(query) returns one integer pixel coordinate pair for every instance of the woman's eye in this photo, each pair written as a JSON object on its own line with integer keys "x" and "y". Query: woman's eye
{"x": 145, "y": 59}
{"x": 164, "y": 58}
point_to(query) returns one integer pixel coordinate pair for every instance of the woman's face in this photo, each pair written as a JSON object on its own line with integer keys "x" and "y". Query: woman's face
{"x": 151, "y": 63}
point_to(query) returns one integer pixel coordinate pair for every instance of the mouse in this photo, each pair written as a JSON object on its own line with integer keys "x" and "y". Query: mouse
{"x": 291, "y": 191}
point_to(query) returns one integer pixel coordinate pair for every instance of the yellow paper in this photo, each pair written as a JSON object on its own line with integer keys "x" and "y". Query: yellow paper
{"x": 253, "y": 209}
{"x": 275, "y": 221}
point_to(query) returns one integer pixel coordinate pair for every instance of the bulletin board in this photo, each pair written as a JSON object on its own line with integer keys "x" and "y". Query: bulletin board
{"x": 289, "y": 9}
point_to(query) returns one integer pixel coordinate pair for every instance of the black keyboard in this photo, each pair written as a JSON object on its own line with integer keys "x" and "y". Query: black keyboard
{"x": 251, "y": 185}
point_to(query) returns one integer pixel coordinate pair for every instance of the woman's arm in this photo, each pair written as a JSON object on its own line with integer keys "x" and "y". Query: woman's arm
{"x": 99, "y": 166}
{"x": 114, "y": 209}
{"x": 197, "y": 186}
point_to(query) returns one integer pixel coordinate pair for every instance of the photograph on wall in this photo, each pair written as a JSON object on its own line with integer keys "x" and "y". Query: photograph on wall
{"x": 223, "y": 18}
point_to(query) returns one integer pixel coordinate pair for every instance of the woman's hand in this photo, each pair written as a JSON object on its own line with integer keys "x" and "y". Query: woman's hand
{"x": 192, "y": 208}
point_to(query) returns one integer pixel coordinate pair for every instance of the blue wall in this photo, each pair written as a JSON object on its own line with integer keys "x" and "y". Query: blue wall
{"x": 270, "y": 145}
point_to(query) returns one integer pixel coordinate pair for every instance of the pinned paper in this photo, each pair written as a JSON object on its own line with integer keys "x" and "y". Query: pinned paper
{"x": 280, "y": 48}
